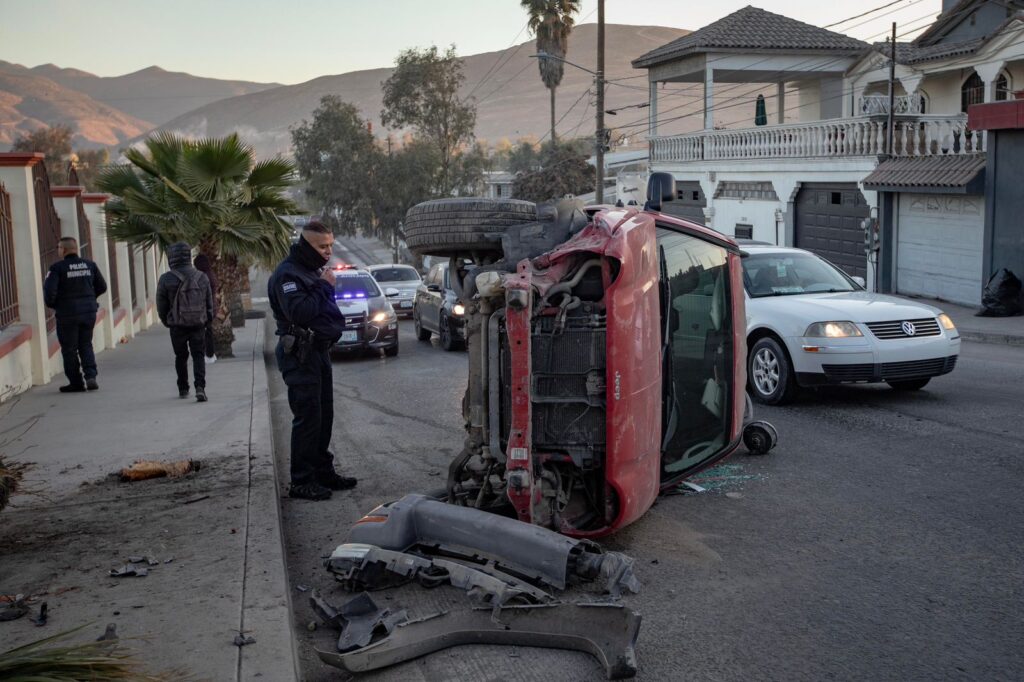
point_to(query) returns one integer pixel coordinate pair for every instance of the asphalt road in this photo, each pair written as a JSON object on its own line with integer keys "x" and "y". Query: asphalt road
{"x": 881, "y": 540}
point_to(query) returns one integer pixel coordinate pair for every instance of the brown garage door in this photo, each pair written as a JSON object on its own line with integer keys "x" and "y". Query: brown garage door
{"x": 689, "y": 202}
{"x": 828, "y": 222}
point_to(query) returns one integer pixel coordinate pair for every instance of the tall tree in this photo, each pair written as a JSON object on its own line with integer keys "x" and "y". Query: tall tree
{"x": 212, "y": 194}
{"x": 337, "y": 156}
{"x": 423, "y": 94}
{"x": 551, "y": 21}
{"x": 55, "y": 144}
{"x": 563, "y": 169}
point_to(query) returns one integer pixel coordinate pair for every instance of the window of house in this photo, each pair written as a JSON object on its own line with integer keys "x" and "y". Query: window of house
{"x": 972, "y": 92}
{"x": 497, "y": 191}
{"x": 1002, "y": 87}
{"x": 744, "y": 231}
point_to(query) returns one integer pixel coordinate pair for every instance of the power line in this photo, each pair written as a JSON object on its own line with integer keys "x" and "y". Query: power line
{"x": 863, "y": 14}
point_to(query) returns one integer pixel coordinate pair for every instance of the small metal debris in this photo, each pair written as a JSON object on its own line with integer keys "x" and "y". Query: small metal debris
{"x": 152, "y": 561}
{"x": 167, "y": 561}
{"x": 136, "y": 559}
{"x": 40, "y": 620}
{"x": 128, "y": 571}
{"x": 302, "y": 588}
{"x": 241, "y": 641}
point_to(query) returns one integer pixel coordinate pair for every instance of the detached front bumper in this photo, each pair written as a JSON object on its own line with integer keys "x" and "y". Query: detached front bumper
{"x": 368, "y": 335}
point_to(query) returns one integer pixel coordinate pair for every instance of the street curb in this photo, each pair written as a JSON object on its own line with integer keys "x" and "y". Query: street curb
{"x": 266, "y": 602}
{"x": 989, "y": 337}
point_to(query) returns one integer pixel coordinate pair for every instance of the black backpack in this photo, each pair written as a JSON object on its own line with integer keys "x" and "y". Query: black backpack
{"x": 189, "y": 306}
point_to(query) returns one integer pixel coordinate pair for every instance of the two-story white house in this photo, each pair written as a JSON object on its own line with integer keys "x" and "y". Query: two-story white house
{"x": 821, "y": 163}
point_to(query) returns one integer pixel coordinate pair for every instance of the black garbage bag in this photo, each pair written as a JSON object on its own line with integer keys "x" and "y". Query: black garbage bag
{"x": 1002, "y": 296}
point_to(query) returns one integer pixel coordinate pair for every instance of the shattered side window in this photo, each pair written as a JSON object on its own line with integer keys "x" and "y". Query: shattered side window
{"x": 698, "y": 352}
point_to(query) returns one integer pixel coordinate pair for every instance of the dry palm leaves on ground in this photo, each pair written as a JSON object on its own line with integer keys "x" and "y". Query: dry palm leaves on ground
{"x": 10, "y": 477}
{"x": 46, "y": 660}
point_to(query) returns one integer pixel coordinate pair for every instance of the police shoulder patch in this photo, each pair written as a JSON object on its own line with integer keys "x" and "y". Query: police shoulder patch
{"x": 289, "y": 287}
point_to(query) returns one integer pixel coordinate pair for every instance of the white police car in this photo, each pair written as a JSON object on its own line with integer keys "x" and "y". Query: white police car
{"x": 370, "y": 320}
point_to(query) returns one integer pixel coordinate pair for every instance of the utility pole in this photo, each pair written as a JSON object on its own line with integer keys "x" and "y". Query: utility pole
{"x": 890, "y": 132}
{"x": 599, "y": 79}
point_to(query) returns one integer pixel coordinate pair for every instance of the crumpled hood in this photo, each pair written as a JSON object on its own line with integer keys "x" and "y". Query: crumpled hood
{"x": 179, "y": 255}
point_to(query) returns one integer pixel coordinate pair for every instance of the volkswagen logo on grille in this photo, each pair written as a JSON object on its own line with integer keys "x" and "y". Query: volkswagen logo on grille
{"x": 908, "y": 328}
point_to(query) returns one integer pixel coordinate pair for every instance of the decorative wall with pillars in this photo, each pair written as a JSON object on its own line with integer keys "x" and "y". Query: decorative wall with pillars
{"x": 16, "y": 174}
{"x": 101, "y": 256}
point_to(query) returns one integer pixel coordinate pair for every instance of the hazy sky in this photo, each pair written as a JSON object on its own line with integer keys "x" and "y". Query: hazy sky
{"x": 291, "y": 41}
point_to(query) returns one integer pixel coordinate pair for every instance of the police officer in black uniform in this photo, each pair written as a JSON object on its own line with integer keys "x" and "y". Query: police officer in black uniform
{"x": 71, "y": 288}
{"x": 301, "y": 292}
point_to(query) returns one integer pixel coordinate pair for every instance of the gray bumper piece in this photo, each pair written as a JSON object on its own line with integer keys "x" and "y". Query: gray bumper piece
{"x": 364, "y": 567}
{"x": 359, "y": 619}
{"x": 606, "y": 631}
{"x": 514, "y": 547}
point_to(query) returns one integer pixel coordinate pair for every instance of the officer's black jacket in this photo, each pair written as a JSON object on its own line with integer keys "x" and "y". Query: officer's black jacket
{"x": 72, "y": 286}
{"x": 299, "y": 297}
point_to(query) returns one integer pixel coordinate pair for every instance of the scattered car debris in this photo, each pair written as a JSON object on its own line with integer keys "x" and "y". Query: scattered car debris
{"x": 144, "y": 469}
{"x": 136, "y": 559}
{"x": 40, "y": 620}
{"x": 110, "y": 634}
{"x": 359, "y": 620}
{"x": 129, "y": 571}
{"x": 14, "y": 609}
{"x": 606, "y": 631}
{"x": 152, "y": 561}
{"x": 499, "y": 544}
{"x": 364, "y": 567}
{"x": 302, "y": 588}
{"x": 241, "y": 640}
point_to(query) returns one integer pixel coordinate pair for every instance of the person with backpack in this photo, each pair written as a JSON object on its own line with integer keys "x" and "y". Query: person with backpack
{"x": 184, "y": 302}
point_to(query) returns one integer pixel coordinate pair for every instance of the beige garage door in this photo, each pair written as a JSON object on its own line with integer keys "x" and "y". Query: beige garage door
{"x": 939, "y": 241}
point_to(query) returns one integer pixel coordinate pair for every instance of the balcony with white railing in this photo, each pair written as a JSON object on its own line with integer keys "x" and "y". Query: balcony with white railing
{"x": 873, "y": 105}
{"x": 915, "y": 136}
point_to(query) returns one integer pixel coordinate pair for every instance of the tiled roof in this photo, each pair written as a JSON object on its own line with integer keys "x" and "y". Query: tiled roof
{"x": 951, "y": 171}
{"x": 753, "y": 28}
{"x": 911, "y": 53}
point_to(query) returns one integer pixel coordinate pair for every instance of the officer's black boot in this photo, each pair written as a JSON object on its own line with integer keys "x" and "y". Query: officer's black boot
{"x": 309, "y": 491}
{"x": 336, "y": 481}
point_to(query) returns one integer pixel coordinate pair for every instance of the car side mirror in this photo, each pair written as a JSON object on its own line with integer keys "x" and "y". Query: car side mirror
{"x": 859, "y": 281}
{"x": 661, "y": 187}
{"x": 433, "y": 287}
{"x": 391, "y": 292}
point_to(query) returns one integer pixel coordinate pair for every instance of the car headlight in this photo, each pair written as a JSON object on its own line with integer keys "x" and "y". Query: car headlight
{"x": 459, "y": 309}
{"x": 947, "y": 322}
{"x": 382, "y": 316}
{"x": 833, "y": 330}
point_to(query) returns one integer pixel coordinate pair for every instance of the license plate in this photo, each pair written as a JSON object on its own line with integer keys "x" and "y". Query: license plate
{"x": 349, "y": 336}
{"x": 405, "y": 304}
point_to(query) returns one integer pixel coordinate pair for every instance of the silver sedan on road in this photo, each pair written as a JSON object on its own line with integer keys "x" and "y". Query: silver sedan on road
{"x": 401, "y": 277}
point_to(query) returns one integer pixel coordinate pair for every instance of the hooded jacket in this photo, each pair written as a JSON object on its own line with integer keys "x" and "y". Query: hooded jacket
{"x": 298, "y": 296}
{"x": 179, "y": 258}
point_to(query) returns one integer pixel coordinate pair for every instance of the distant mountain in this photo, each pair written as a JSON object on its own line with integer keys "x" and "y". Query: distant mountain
{"x": 151, "y": 94}
{"x": 29, "y": 101}
{"x": 512, "y": 102}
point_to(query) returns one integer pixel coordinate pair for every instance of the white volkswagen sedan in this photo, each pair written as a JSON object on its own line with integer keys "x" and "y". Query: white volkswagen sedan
{"x": 809, "y": 324}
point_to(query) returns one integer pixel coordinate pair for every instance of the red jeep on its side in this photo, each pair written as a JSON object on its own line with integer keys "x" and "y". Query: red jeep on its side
{"x": 606, "y": 354}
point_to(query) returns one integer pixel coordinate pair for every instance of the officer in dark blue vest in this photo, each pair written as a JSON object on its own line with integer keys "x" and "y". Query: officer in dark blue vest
{"x": 301, "y": 292}
{"x": 71, "y": 288}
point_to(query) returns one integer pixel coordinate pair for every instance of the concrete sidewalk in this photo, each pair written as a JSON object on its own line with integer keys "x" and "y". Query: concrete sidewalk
{"x": 998, "y": 330}
{"x": 215, "y": 533}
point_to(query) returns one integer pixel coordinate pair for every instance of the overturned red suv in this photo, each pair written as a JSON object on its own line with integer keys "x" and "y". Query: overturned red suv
{"x": 606, "y": 354}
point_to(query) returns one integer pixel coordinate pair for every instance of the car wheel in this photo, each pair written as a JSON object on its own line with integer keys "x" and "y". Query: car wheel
{"x": 770, "y": 374}
{"x": 909, "y": 384}
{"x": 448, "y": 339}
{"x": 392, "y": 351}
{"x": 447, "y": 227}
{"x": 421, "y": 333}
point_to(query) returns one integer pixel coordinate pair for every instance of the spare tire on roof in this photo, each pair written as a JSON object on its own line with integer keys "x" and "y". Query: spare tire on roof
{"x": 448, "y": 227}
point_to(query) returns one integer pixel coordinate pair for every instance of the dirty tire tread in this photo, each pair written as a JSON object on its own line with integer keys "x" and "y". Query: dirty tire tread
{"x": 448, "y": 226}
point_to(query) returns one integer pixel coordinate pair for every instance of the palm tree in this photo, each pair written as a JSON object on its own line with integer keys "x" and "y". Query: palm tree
{"x": 551, "y": 21}
{"x": 211, "y": 193}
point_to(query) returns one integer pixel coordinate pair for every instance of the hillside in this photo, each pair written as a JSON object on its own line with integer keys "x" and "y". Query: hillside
{"x": 512, "y": 102}
{"x": 151, "y": 94}
{"x": 29, "y": 101}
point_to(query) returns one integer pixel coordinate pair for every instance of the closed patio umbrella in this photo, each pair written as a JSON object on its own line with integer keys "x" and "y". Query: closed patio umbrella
{"x": 760, "y": 113}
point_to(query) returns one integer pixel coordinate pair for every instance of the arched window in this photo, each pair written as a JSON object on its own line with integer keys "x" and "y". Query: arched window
{"x": 1002, "y": 87}
{"x": 972, "y": 92}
